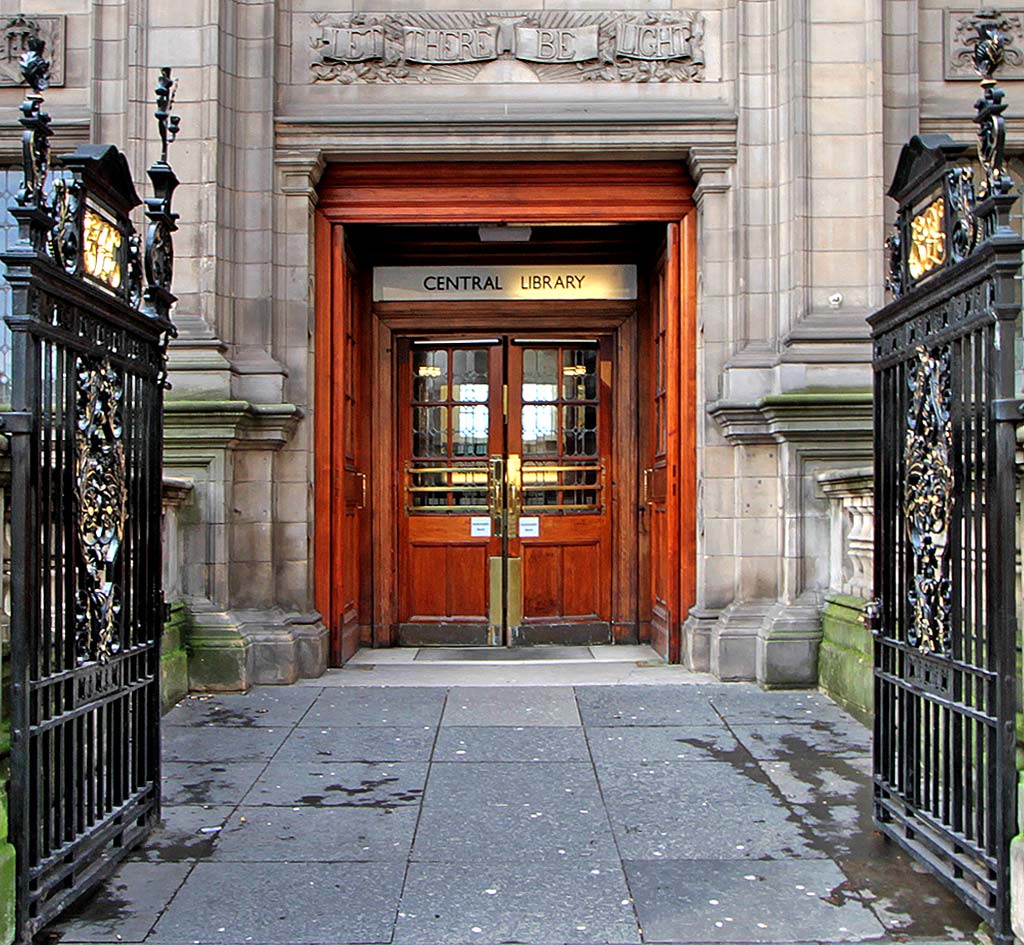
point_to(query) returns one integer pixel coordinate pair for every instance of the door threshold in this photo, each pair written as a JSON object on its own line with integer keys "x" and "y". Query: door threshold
{"x": 495, "y": 654}
{"x": 484, "y": 655}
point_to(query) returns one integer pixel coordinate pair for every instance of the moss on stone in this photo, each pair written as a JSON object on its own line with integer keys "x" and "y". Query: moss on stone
{"x": 845, "y": 658}
{"x": 7, "y": 888}
{"x": 174, "y": 656}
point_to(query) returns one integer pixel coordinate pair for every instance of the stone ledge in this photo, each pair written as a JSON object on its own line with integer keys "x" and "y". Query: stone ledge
{"x": 805, "y": 415}
{"x": 229, "y": 423}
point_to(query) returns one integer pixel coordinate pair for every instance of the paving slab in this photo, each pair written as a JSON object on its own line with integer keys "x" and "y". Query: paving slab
{"x": 777, "y": 741}
{"x": 365, "y": 743}
{"x": 618, "y": 745}
{"x": 685, "y": 810}
{"x": 505, "y": 706}
{"x": 381, "y": 785}
{"x": 283, "y": 904}
{"x": 773, "y": 901}
{"x": 322, "y": 834}
{"x": 743, "y": 702}
{"x": 264, "y": 706}
{"x": 507, "y": 743}
{"x": 408, "y": 706}
{"x": 186, "y": 832}
{"x": 638, "y": 705}
{"x": 126, "y": 907}
{"x": 530, "y": 812}
{"x": 221, "y": 743}
{"x": 569, "y": 901}
{"x": 204, "y": 783}
{"x": 407, "y": 673}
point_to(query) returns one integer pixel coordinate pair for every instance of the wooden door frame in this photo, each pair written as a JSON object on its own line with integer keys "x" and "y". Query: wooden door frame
{"x": 615, "y": 320}
{"x": 498, "y": 192}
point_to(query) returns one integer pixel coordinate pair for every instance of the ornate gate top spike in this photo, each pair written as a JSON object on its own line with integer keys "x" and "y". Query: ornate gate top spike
{"x": 35, "y": 67}
{"x": 169, "y": 124}
{"x": 989, "y": 48}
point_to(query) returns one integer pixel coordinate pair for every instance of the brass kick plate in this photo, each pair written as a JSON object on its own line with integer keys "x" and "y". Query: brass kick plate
{"x": 515, "y": 591}
{"x": 515, "y": 597}
{"x": 494, "y": 611}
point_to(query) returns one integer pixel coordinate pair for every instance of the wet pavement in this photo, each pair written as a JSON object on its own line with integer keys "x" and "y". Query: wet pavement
{"x": 476, "y": 815}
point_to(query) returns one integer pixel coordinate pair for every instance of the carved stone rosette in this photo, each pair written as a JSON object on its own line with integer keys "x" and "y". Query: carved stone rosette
{"x": 928, "y": 499}
{"x": 101, "y": 496}
{"x": 547, "y": 46}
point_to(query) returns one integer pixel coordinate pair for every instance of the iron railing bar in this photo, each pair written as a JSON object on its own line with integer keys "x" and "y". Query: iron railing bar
{"x": 944, "y": 869}
{"x": 968, "y": 669}
{"x": 99, "y": 702}
{"x": 915, "y": 818}
{"x": 910, "y": 688}
{"x": 44, "y": 875}
{"x": 65, "y": 675}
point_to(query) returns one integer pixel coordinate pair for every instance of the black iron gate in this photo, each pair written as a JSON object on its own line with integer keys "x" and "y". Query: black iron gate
{"x": 89, "y": 330}
{"x": 944, "y": 619}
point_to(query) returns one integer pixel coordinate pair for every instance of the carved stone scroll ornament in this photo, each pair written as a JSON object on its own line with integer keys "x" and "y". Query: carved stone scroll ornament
{"x": 101, "y": 498}
{"x": 553, "y": 45}
{"x": 962, "y": 38}
{"x": 928, "y": 499}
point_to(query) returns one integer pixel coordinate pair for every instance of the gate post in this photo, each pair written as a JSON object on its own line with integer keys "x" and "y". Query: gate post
{"x": 944, "y": 622}
{"x": 90, "y": 325}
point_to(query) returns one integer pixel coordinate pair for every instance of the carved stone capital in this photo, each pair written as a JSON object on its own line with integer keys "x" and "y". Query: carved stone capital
{"x": 709, "y": 166}
{"x": 299, "y": 172}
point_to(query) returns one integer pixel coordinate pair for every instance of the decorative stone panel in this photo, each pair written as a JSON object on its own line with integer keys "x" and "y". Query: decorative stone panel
{"x": 960, "y": 33}
{"x": 550, "y": 46}
{"x": 14, "y": 39}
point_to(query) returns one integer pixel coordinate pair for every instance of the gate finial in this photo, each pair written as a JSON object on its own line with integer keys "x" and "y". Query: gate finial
{"x": 34, "y": 222}
{"x": 989, "y": 54}
{"x": 159, "y": 255}
{"x": 990, "y": 46}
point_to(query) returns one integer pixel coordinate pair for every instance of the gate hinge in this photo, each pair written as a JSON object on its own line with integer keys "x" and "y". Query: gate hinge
{"x": 1011, "y": 411}
{"x": 12, "y": 423}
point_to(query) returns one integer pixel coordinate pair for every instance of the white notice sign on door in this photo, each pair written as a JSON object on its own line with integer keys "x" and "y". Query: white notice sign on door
{"x": 529, "y": 527}
{"x": 480, "y": 526}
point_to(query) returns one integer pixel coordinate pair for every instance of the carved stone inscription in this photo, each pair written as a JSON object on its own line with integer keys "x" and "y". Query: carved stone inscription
{"x": 559, "y": 46}
{"x": 961, "y": 34}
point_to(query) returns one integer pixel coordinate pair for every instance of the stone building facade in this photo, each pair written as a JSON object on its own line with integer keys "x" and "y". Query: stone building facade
{"x": 787, "y": 115}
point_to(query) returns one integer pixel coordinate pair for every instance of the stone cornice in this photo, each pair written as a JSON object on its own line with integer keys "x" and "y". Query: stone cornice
{"x": 657, "y": 131}
{"x": 236, "y": 424}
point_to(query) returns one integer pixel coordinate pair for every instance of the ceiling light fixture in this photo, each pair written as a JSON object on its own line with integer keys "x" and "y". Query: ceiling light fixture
{"x": 503, "y": 233}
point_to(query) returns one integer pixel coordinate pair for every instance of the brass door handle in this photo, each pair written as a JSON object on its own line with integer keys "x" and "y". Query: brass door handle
{"x": 645, "y": 492}
{"x": 362, "y": 493}
{"x": 514, "y": 487}
{"x": 496, "y": 492}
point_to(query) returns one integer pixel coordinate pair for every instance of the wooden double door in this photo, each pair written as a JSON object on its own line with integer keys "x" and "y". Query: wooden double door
{"x": 505, "y": 526}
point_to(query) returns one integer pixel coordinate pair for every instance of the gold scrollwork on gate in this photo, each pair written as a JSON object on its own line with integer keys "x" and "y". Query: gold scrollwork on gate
{"x": 928, "y": 497}
{"x": 101, "y": 252}
{"x": 927, "y": 239}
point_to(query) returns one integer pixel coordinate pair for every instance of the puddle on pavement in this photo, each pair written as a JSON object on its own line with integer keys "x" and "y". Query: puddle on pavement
{"x": 830, "y": 800}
